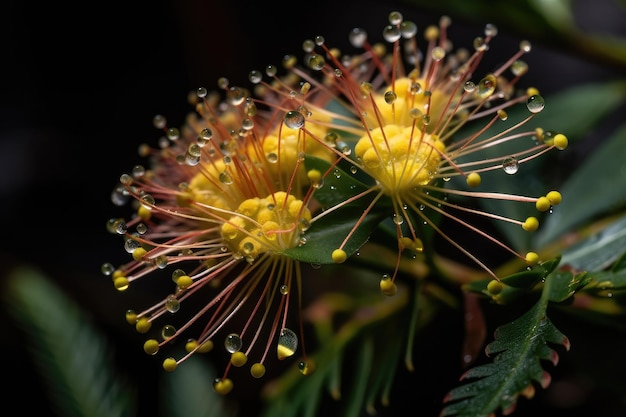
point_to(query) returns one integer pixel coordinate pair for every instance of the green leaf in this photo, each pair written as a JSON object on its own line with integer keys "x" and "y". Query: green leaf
{"x": 600, "y": 250}
{"x": 519, "y": 346}
{"x": 595, "y": 188}
{"x": 73, "y": 358}
{"x": 565, "y": 284}
{"x": 329, "y": 232}
{"x": 187, "y": 392}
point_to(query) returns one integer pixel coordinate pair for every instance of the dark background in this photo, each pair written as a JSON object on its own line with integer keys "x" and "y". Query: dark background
{"x": 82, "y": 82}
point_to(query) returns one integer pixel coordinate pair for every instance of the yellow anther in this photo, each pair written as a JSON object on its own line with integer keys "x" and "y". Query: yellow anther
{"x": 560, "y": 141}
{"x": 144, "y": 213}
{"x": 473, "y": 179}
{"x": 151, "y": 346}
{"x": 184, "y": 282}
{"x": 223, "y": 386}
{"x": 205, "y": 346}
{"x": 543, "y": 204}
{"x": 139, "y": 253}
{"x": 431, "y": 33}
{"x": 532, "y": 258}
{"x": 257, "y": 370}
{"x": 554, "y": 197}
{"x": 143, "y": 325}
{"x": 339, "y": 256}
{"x": 539, "y": 133}
{"x": 532, "y": 91}
{"x": 190, "y": 345}
{"x": 170, "y": 364}
{"x": 530, "y": 224}
{"x": 131, "y": 317}
{"x": 121, "y": 283}
{"x": 387, "y": 286}
{"x": 238, "y": 359}
{"x": 495, "y": 287}
{"x": 314, "y": 176}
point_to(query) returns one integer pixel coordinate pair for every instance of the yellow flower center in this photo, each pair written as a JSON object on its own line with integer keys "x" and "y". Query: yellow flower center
{"x": 207, "y": 188}
{"x": 270, "y": 224}
{"x": 400, "y": 158}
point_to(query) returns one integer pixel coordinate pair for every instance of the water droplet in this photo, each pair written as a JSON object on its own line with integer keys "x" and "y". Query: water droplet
{"x": 469, "y": 87}
{"x": 168, "y": 331}
{"x": 272, "y": 157}
{"x": 487, "y": 86}
{"x": 287, "y": 343}
{"x": 284, "y": 289}
{"x": 233, "y": 343}
{"x": 225, "y": 178}
{"x": 172, "y": 304}
{"x": 398, "y": 219}
{"x": 107, "y": 268}
{"x": 294, "y": 119}
{"x": 316, "y": 62}
{"x": 535, "y": 104}
{"x": 510, "y": 165}
{"x": 357, "y": 37}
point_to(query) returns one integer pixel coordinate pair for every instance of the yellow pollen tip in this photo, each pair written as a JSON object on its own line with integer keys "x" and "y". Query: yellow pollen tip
{"x": 388, "y": 287}
{"x": 143, "y": 325}
{"x": 131, "y": 317}
{"x": 151, "y": 346}
{"x": 121, "y": 283}
{"x": 495, "y": 287}
{"x": 205, "y": 346}
{"x": 532, "y": 91}
{"x": 238, "y": 359}
{"x": 190, "y": 345}
{"x": 139, "y": 253}
{"x": 532, "y": 258}
{"x": 560, "y": 141}
{"x": 543, "y": 204}
{"x": 531, "y": 224}
{"x": 223, "y": 386}
{"x": 473, "y": 179}
{"x": 257, "y": 370}
{"x": 144, "y": 213}
{"x": 339, "y": 256}
{"x": 314, "y": 176}
{"x": 183, "y": 282}
{"x": 554, "y": 197}
{"x": 170, "y": 364}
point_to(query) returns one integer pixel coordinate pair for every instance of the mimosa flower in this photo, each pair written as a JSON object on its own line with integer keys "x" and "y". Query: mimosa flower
{"x": 223, "y": 199}
{"x": 413, "y": 121}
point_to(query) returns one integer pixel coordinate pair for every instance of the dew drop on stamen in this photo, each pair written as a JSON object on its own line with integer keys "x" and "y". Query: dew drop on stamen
{"x": 225, "y": 178}
{"x": 535, "y": 103}
{"x": 284, "y": 289}
{"x": 469, "y": 87}
{"x": 391, "y": 33}
{"x": 438, "y": 53}
{"x": 398, "y": 219}
{"x": 172, "y": 304}
{"x": 173, "y": 133}
{"x": 270, "y": 70}
{"x": 233, "y": 343}
{"x": 119, "y": 196}
{"x": 168, "y": 331}
{"x": 510, "y": 165}
{"x": 255, "y": 76}
{"x": 519, "y": 68}
{"x": 107, "y": 269}
{"x": 480, "y": 44}
{"x": 491, "y": 30}
{"x": 271, "y": 157}
{"x": 287, "y": 343}
{"x": 408, "y": 29}
{"x": 390, "y": 97}
{"x": 236, "y": 95}
{"x": 138, "y": 171}
{"x": 395, "y": 17}
{"x": 294, "y": 119}
{"x": 487, "y": 86}
{"x": 201, "y": 92}
{"x": 525, "y": 46}
{"x": 161, "y": 261}
{"x": 316, "y": 62}
{"x": 130, "y": 245}
{"x": 142, "y": 228}
{"x": 148, "y": 201}
{"x": 357, "y": 37}
{"x": 159, "y": 121}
